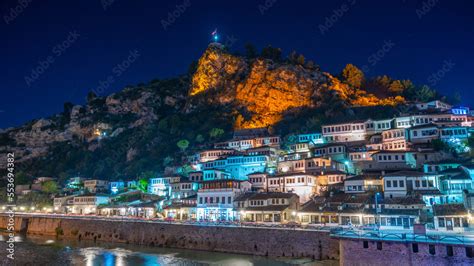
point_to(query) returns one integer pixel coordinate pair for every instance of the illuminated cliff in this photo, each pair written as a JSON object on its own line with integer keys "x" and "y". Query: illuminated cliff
{"x": 265, "y": 89}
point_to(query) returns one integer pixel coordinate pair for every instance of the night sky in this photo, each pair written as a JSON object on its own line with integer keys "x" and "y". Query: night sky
{"x": 77, "y": 44}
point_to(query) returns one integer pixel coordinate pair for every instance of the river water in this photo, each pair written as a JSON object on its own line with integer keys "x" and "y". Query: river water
{"x": 43, "y": 250}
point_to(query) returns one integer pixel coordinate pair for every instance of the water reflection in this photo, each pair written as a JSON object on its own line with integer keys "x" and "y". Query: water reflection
{"x": 72, "y": 252}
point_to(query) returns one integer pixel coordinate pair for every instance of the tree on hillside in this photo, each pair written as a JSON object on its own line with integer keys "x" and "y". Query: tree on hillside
{"x": 144, "y": 179}
{"x": 21, "y": 178}
{"x": 353, "y": 76}
{"x": 239, "y": 121}
{"x": 425, "y": 94}
{"x": 91, "y": 96}
{"x": 300, "y": 60}
{"x": 67, "y": 108}
{"x": 396, "y": 87}
{"x": 49, "y": 187}
{"x": 250, "y": 51}
{"x": 183, "y": 144}
{"x": 470, "y": 143}
{"x": 216, "y": 133}
{"x": 311, "y": 65}
{"x": 199, "y": 138}
{"x": 272, "y": 53}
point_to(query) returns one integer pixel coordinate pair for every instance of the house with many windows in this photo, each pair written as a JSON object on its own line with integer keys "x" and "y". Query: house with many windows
{"x": 363, "y": 184}
{"x": 267, "y": 207}
{"x": 302, "y": 184}
{"x": 394, "y": 139}
{"x": 239, "y": 166}
{"x": 215, "y": 199}
{"x": 345, "y": 132}
{"x": 451, "y": 217}
{"x": 407, "y": 183}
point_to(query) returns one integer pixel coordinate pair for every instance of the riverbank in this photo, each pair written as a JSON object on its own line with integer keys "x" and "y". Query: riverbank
{"x": 268, "y": 242}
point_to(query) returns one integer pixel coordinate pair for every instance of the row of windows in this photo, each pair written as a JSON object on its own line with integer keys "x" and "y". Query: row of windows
{"x": 394, "y": 183}
{"x": 211, "y": 200}
{"x": 389, "y": 157}
{"x": 452, "y": 222}
{"x": 338, "y": 178}
{"x": 453, "y": 132}
{"x": 256, "y": 180}
{"x": 396, "y": 134}
{"x": 396, "y": 145}
{"x": 342, "y": 128}
{"x": 329, "y": 150}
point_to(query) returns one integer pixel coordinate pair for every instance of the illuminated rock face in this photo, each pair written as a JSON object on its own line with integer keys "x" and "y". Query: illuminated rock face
{"x": 216, "y": 69}
{"x": 263, "y": 88}
{"x": 266, "y": 90}
{"x": 270, "y": 90}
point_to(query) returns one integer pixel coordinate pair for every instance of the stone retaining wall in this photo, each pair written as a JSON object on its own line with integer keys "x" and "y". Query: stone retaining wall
{"x": 255, "y": 241}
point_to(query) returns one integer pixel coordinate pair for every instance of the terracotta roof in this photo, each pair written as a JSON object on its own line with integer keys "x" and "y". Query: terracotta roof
{"x": 408, "y": 173}
{"x": 449, "y": 209}
{"x": 264, "y": 195}
{"x": 363, "y": 177}
{"x": 266, "y": 208}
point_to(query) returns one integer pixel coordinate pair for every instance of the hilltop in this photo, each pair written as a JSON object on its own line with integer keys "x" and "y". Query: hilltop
{"x": 136, "y": 130}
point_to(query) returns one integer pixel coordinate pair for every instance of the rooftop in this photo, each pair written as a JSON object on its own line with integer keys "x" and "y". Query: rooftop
{"x": 449, "y": 209}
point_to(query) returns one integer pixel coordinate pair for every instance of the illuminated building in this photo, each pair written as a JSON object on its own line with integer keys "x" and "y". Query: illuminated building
{"x": 239, "y": 166}
{"x": 215, "y": 199}
{"x": 363, "y": 184}
{"x": 88, "y": 203}
{"x": 302, "y": 184}
{"x": 116, "y": 186}
{"x": 247, "y": 143}
{"x": 161, "y": 186}
{"x": 394, "y": 139}
{"x": 267, "y": 207}
{"x": 182, "y": 209}
{"x": 96, "y": 185}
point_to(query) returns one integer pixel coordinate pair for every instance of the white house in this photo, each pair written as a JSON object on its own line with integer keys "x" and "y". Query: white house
{"x": 302, "y": 184}
{"x": 436, "y": 104}
{"x": 362, "y": 184}
{"x": 96, "y": 185}
{"x": 394, "y": 139}
{"x": 88, "y": 203}
{"x": 423, "y": 133}
{"x": 345, "y": 132}
{"x": 215, "y": 199}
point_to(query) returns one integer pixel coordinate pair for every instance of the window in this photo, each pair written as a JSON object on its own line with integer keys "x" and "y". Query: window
{"x": 432, "y": 249}
{"x": 402, "y": 183}
{"x": 414, "y": 247}
{"x": 229, "y": 200}
{"x": 366, "y": 244}
{"x": 379, "y": 245}
{"x": 449, "y": 251}
{"x": 389, "y": 183}
{"x": 469, "y": 252}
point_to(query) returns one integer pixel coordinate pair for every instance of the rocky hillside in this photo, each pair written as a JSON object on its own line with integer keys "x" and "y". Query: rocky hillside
{"x": 137, "y": 129}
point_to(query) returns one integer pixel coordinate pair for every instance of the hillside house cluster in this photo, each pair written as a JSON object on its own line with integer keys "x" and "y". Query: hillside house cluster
{"x": 388, "y": 172}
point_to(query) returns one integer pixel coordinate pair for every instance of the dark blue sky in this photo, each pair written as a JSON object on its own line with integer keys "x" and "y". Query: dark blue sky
{"x": 394, "y": 37}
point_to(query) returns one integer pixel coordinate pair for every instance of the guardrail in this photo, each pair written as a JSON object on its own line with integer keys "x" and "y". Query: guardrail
{"x": 437, "y": 238}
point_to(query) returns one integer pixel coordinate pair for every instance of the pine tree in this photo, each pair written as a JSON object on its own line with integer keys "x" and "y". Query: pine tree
{"x": 353, "y": 76}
